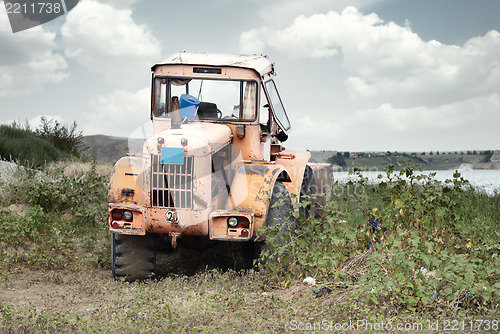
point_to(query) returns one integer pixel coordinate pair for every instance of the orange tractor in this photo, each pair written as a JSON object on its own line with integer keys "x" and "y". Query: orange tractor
{"x": 213, "y": 167}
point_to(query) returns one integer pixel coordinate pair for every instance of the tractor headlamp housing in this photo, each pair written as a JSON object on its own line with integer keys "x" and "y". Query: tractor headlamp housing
{"x": 127, "y": 215}
{"x": 232, "y": 221}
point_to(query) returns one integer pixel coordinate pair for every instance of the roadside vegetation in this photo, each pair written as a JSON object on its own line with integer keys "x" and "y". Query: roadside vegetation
{"x": 408, "y": 249}
{"x": 407, "y": 245}
{"x": 53, "y": 202}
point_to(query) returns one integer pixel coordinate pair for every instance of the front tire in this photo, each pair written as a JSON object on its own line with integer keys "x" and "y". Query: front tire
{"x": 279, "y": 218}
{"x": 132, "y": 256}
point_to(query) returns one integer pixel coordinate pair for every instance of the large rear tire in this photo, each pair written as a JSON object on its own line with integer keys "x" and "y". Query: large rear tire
{"x": 133, "y": 257}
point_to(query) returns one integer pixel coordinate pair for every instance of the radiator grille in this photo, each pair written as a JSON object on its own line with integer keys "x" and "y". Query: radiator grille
{"x": 172, "y": 185}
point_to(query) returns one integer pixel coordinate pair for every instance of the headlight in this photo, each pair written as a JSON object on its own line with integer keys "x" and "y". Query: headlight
{"x": 232, "y": 221}
{"x": 127, "y": 215}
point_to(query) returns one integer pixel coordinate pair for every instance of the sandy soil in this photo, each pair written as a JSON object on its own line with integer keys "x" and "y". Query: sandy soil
{"x": 61, "y": 291}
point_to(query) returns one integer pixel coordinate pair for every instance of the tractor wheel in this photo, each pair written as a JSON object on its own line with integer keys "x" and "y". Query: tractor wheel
{"x": 276, "y": 217}
{"x": 132, "y": 256}
{"x": 308, "y": 189}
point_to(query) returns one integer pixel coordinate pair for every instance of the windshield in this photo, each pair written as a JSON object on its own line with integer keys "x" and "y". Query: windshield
{"x": 277, "y": 106}
{"x": 205, "y": 98}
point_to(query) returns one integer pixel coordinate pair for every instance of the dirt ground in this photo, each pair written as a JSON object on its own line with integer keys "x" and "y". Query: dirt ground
{"x": 87, "y": 291}
{"x": 186, "y": 271}
{"x": 234, "y": 301}
{"x": 62, "y": 291}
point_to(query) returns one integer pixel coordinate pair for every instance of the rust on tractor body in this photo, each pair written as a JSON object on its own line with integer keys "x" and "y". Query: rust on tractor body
{"x": 208, "y": 171}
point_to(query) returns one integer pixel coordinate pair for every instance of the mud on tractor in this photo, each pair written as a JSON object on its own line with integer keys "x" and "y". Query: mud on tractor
{"x": 213, "y": 167}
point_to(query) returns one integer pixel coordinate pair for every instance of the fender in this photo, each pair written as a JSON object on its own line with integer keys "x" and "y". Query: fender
{"x": 125, "y": 193}
{"x": 249, "y": 198}
{"x": 295, "y": 163}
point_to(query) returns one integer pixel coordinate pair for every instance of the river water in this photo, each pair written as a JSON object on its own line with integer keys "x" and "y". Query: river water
{"x": 485, "y": 180}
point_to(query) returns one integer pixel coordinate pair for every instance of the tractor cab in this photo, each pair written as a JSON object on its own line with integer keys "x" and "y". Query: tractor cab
{"x": 237, "y": 90}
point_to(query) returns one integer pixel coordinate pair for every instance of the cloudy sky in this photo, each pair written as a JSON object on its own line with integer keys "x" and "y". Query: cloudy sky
{"x": 354, "y": 75}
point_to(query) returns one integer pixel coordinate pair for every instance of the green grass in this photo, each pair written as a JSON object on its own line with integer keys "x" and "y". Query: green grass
{"x": 62, "y": 214}
{"x": 27, "y": 148}
{"x": 55, "y": 270}
{"x": 208, "y": 302}
{"x": 441, "y": 165}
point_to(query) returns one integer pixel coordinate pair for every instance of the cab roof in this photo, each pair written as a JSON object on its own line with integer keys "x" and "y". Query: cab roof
{"x": 259, "y": 63}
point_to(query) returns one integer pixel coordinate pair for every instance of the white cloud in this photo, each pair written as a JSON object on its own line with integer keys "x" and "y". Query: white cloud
{"x": 107, "y": 40}
{"x": 118, "y": 113}
{"x": 251, "y": 43}
{"x": 279, "y": 12}
{"x": 468, "y": 124}
{"x": 388, "y": 63}
{"x": 36, "y": 121}
{"x": 121, "y": 4}
{"x": 28, "y": 61}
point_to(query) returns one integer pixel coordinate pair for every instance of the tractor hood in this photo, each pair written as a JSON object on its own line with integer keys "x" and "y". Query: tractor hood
{"x": 195, "y": 139}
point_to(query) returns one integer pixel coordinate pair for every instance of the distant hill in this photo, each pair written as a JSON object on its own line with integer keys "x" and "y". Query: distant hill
{"x": 107, "y": 149}
{"x": 427, "y": 160}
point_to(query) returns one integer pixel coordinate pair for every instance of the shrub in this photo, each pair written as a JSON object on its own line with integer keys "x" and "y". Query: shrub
{"x": 50, "y": 142}
{"x": 26, "y": 148}
{"x": 406, "y": 243}
{"x": 65, "y": 138}
{"x": 65, "y": 213}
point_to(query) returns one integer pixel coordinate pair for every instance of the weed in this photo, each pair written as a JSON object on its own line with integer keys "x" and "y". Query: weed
{"x": 406, "y": 244}
{"x": 61, "y": 210}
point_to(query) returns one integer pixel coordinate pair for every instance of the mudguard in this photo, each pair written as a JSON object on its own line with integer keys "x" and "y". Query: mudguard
{"x": 251, "y": 191}
{"x": 125, "y": 185}
{"x": 125, "y": 193}
{"x": 295, "y": 163}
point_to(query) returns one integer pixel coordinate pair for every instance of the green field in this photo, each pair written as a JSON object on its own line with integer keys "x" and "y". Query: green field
{"x": 433, "y": 255}
{"x": 411, "y": 253}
